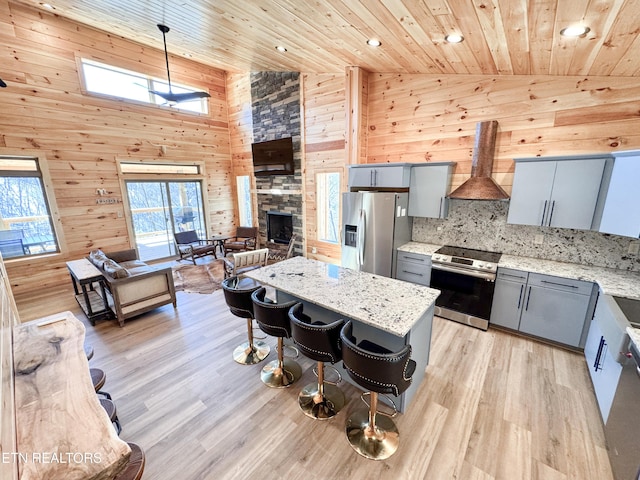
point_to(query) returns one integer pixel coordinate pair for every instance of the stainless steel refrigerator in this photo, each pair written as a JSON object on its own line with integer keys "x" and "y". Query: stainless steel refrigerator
{"x": 374, "y": 225}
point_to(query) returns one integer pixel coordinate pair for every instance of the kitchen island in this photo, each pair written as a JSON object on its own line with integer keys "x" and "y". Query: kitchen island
{"x": 385, "y": 311}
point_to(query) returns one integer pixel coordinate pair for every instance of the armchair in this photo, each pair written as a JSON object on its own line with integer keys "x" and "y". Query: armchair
{"x": 245, "y": 238}
{"x": 190, "y": 246}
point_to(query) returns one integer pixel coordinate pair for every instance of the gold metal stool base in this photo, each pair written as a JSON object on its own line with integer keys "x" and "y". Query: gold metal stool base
{"x": 274, "y": 376}
{"x": 321, "y": 406}
{"x": 378, "y": 442}
{"x": 246, "y": 355}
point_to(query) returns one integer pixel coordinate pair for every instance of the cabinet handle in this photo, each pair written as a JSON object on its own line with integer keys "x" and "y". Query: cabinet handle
{"x": 371, "y": 181}
{"x": 553, "y": 206}
{"x": 520, "y": 296}
{"x": 407, "y": 257}
{"x": 440, "y": 210}
{"x": 526, "y": 308}
{"x": 597, "y": 365}
{"x": 512, "y": 276}
{"x": 559, "y": 284}
{"x": 544, "y": 211}
{"x": 413, "y": 273}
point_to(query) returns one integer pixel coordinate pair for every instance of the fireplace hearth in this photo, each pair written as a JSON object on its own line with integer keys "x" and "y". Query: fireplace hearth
{"x": 279, "y": 227}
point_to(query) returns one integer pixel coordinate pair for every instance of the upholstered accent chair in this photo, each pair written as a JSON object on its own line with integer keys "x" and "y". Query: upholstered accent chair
{"x": 246, "y": 238}
{"x": 189, "y": 246}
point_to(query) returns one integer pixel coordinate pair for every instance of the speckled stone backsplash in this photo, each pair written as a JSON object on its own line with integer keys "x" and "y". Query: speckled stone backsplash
{"x": 483, "y": 225}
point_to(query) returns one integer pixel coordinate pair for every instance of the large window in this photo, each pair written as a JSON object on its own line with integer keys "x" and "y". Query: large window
{"x": 243, "y": 184}
{"x": 328, "y": 206}
{"x": 26, "y": 227}
{"x": 117, "y": 82}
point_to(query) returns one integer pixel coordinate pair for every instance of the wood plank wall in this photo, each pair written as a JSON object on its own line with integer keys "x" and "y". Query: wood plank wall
{"x": 43, "y": 109}
{"x": 423, "y": 118}
{"x": 324, "y": 140}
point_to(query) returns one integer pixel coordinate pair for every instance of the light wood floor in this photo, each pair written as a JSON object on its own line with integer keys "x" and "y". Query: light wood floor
{"x": 492, "y": 405}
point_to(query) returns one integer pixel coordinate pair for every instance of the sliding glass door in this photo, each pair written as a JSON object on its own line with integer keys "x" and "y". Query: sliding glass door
{"x": 158, "y": 209}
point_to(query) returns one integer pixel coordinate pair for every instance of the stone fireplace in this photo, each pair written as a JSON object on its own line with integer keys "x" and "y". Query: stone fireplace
{"x": 275, "y": 106}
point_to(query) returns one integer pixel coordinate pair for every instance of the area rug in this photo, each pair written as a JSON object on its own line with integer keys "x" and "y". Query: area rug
{"x": 205, "y": 278}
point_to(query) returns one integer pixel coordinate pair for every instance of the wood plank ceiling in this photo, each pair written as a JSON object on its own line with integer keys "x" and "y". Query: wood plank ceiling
{"x": 502, "y": 37}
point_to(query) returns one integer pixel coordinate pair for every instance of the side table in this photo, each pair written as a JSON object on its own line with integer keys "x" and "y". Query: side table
{"x": 218, "y": 241}
{"x": 94, "y": 305}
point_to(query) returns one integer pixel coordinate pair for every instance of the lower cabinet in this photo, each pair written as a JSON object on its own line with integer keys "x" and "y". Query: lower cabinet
{"x": 548, "y": 307}
{"x": 414, "y": 267}
{"x": 604, "y": 370}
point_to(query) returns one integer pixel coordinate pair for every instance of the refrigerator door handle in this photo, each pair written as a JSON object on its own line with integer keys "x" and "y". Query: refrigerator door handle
{"x": 362, "y": 237}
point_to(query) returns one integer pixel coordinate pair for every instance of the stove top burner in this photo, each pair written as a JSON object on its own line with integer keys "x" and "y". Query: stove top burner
{"x": 461, "y": 252}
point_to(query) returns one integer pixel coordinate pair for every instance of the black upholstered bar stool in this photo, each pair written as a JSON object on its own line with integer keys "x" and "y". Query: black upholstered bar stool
{"x": 378, "y": 370}
{"x": 99, "y": 378}
{"x": 110, "y": 407}
{"x": 135, "y": 466}
{"x": 273, "y": 319}
{"x": 319, "y": 342}
{"x": 237, "y": 294}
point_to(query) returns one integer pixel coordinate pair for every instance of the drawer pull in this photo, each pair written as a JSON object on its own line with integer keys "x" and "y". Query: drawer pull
{"x": 560, "y": 284}
{"x": 413, "y": 273}
{"x": 407, "y": 257}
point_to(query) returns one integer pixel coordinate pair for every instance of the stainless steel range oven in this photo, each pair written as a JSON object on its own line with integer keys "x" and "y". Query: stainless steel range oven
{"x": 466, "y": 280}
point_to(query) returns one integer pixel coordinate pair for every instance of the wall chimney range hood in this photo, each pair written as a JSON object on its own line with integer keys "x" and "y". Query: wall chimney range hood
{"x": 481, "y": 186}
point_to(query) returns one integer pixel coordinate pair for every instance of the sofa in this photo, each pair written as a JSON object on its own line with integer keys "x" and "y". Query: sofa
{"x": 132, "y": 286}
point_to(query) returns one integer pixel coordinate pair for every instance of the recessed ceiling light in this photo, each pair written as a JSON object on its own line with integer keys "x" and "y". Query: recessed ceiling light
{"x": 454, "y": 38}
{"x": 372, "y": 42}
{"x": 47, "y": 5}
{"x": 187, "y": 54}
{"x": 575, "y": 31}
{"x": 280, "y": 48}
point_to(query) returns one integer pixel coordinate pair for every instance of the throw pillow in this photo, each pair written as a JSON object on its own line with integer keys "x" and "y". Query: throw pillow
{"x": 98, "y": 257}
{"x": 114, "y": 269}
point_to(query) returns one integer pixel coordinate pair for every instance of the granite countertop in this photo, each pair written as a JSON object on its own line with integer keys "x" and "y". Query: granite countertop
{"x": 619, "y": 283}
{"x": 385, "y": 303}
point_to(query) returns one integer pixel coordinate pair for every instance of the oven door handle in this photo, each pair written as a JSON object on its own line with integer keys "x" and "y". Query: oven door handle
{"x": 489, "y": 277}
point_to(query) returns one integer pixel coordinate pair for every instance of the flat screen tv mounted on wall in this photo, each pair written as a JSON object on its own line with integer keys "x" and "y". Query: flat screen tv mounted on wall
{"x": 274, "y": 157}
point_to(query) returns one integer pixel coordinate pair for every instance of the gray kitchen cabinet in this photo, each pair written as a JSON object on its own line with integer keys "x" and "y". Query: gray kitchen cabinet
{"x": 414, "y": 267}
{"x": 603, "y": 368}
{"x": 508, "y": 298}
{"x": 388, "y": 175}
{"x": 556, "y": 308}
{"x": 430, "y": 184}
{"x": 546, "y": 306}
{"x": 621, "y": 215}
{"x": 557, "y": 191}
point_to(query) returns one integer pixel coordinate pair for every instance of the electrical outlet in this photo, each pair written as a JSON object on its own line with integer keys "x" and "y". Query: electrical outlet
{"x": 538, "y": 239}
{"x": 634, "y": 248}
{"x": 314, "y": 250}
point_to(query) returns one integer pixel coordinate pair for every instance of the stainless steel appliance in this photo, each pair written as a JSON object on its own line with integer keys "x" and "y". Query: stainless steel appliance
{"x": 466, "y": 280}
{"x": 374, "y": 225}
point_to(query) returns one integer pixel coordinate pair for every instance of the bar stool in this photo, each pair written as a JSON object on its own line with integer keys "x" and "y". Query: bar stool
{"x": 110, "y": 407}
{"x": 135, "y": 466}
{"x": 319, "y": 342}
{"x": 273, "y": 319}
{"x": 99, "y": 378}
{"x": 237, "y": 294}
{"x": 380, "y": 371}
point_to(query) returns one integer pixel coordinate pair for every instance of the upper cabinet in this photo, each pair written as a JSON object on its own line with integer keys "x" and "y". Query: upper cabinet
{"x": 387, "y": 175}
{"x": 430, "y": 183}
{"x": 557, "y": 191}
{"x": 621, "y": 215}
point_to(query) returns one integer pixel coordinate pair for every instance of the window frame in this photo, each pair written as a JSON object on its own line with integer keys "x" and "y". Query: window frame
{"x": 149, "y": 79}
{"x": 322, "y": 208}
{"x": 46, "y": 183}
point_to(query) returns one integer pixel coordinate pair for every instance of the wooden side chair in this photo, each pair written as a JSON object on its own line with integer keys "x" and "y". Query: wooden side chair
{"x": 240, "y": 262}
{"x": 191, "y": 247}
{"x": 276, "y": 256}
{"x": 246, "y": 238}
